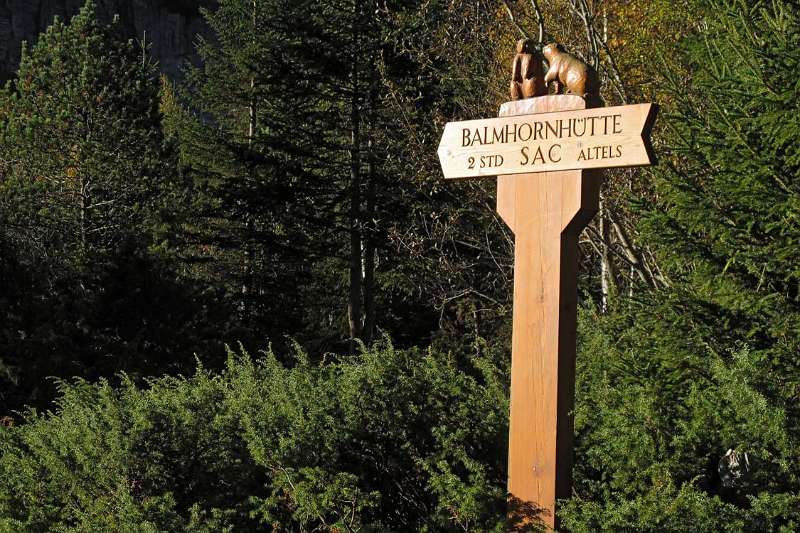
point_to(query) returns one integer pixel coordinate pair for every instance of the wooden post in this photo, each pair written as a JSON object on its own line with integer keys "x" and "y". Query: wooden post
{"x": 566, "y": 145}
{"x": 546, "y": 211}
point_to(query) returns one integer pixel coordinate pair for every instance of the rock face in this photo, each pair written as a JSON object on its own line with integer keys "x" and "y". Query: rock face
{"x": 169, "y": 26}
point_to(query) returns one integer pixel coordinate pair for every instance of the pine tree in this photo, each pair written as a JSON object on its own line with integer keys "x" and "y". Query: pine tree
{"x": 688, "y": 412}
{"x": 81, "y": 128}
{"x": 248, "y": 235}
{"x": 284, "y": 148}
{"x": 311, "y": 147}
{"x": 87, "y": 199}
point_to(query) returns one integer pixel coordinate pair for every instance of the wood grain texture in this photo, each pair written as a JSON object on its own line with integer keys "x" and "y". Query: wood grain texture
{"x": 546, "y": 211}
{"x": 570, "y": 73}
{"x": 525, "y": 142}
{"x": 527, "y": 71}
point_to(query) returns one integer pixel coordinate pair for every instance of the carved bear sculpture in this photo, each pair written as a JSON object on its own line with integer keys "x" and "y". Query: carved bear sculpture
{"x": 527, "y": 71}
{"x": 571, "y": 73}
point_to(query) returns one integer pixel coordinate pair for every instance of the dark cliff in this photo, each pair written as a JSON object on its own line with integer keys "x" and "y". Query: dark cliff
{"x": 170, "y": 26}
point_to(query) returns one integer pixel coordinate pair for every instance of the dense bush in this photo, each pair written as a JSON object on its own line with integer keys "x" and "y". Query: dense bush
{"x": 675, "y": 383}
{"x": 688, "y": 385}
{"x": 390, "y": 440}
{"x": 656, "y": 415}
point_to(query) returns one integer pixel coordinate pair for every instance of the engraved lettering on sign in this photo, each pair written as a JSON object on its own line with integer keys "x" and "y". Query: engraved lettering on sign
{"x": 544, "y": 130}
{"x": 589, "y": 138}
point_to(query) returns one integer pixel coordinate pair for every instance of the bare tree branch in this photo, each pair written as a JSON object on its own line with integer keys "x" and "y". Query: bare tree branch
{"x": 513, "y": 20}
{"x": 539, "y": 20}
{"x": 597, "y": 42}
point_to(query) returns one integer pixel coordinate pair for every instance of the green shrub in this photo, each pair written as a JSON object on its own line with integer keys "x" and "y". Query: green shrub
{"x": 390, "y": 440}
{"x": 673, "y": 379}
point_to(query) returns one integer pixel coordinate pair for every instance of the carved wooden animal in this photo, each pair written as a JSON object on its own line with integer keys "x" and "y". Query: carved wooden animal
{"x": 527, "y": 71}
{"x": 571, "y": 73}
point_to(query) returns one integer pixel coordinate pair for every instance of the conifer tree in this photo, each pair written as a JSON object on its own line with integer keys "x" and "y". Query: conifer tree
{"x": 687, "y": 412}
{"x": 82, "y": 136}
{"x": 285, "y": 149}
{"x": 86, "y": 197}
{"x": 310, "y": 142}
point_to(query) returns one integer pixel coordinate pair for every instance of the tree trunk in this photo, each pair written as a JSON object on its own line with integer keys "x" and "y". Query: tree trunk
{"x": 84, "y": 216}
{"x": 247, "y": 281}
{"x": 356, "y": 275}
{"x": 607, "y": 275}
{"x": 371, "y": 223}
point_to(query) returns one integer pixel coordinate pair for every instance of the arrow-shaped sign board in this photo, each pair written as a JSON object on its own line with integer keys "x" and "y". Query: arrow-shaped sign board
{"x": 568, "y": 140}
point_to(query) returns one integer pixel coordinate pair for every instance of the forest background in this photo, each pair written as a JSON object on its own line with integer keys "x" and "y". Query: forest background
{"x": 284, "y": 200}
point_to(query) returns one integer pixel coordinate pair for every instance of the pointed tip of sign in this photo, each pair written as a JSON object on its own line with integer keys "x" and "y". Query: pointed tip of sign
{"x": 649, "y": 123}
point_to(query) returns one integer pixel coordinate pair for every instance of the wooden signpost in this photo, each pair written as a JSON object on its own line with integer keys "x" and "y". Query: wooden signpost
{"x": 545, "y": 152}
{"x": 522, "y": 143}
